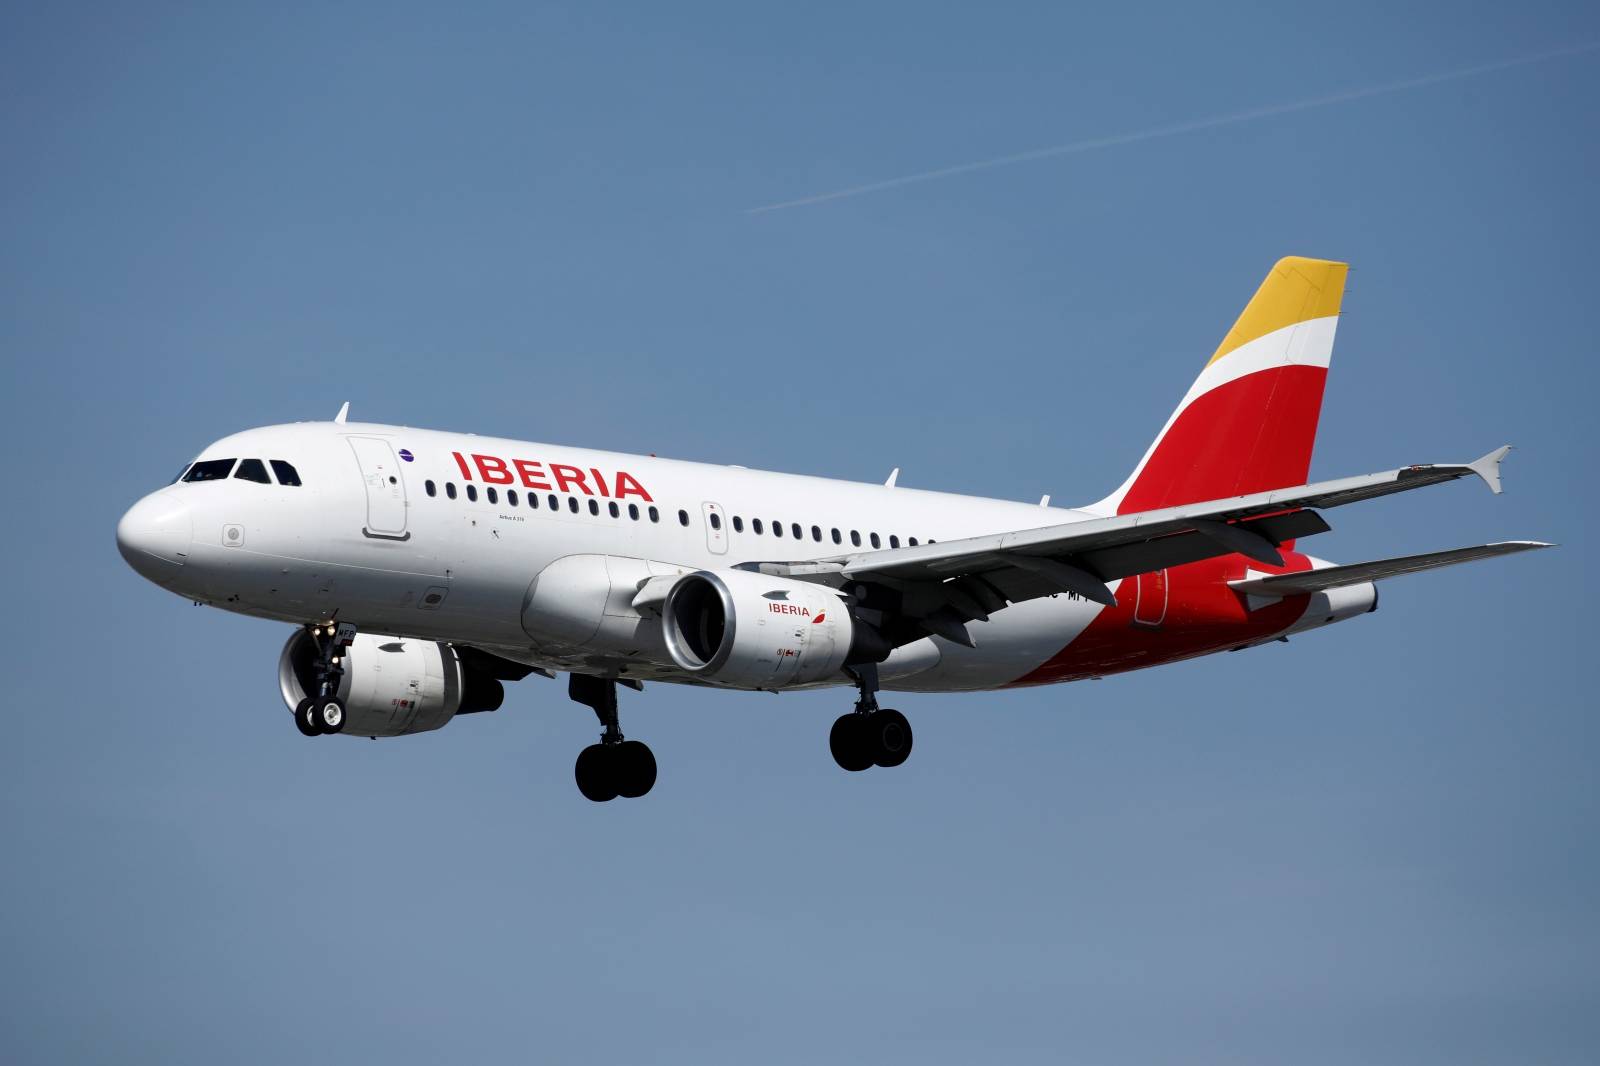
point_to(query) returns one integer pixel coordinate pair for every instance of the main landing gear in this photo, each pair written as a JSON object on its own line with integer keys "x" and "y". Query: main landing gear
{"x": 323, "y": 711}
{"x": 615, "y": 766}
{"x": 869, "y": 735}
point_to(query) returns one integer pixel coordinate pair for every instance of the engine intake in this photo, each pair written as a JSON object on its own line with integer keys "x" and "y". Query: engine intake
{"x": 745, "y": 630}
{"x": 392, "y": 686}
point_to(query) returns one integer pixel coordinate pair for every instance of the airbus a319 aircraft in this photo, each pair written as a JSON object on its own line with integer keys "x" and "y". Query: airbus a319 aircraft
{"x": 423, "y": 569}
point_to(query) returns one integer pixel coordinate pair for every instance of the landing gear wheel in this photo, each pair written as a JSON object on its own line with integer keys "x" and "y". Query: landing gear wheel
{"x": 615, "y": 766}
{"x": 595, "y": 773}
{"x": 327, "y": 714}
{"x": 890, "y": 736}
{"x": 317, "y": 713}
{"x": 633, "y": 765}
{"x": 849, "y": 740}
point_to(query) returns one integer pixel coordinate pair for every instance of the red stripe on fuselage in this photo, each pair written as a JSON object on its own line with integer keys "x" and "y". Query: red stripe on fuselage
{"x": 1202, "y": 615}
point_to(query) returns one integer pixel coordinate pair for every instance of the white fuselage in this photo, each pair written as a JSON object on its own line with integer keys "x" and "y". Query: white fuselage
{"x": 362, "y": 538}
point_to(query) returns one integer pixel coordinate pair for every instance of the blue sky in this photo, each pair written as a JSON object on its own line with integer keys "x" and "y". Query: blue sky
{"x": 1374, "y": 844}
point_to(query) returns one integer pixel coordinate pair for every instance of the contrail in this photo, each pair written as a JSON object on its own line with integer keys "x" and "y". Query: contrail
{"x": 1191, "y": 126}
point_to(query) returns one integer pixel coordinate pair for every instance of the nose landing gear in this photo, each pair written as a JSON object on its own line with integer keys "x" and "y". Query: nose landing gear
{"x": 869, "y": 735}
{"x": 615, "y": 766}
{"x": 323, "y": 711}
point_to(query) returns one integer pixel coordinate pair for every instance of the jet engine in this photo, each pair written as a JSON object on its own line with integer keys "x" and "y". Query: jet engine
{"x": 392, "y": 686}
{"x": 746, "y": 630}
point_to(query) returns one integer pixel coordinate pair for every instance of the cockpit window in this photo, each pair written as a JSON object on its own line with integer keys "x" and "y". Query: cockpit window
{"x": 210, "y": 470}
{"x": 286, "y": 473}
{"x": 179, "y": 478}
{"x": 252, "y": 470}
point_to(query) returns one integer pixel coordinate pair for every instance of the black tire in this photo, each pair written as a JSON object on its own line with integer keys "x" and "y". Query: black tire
{"x": 635, "y": 767}
{"x": 595, "y": 773}
{"x": 848, "y": 742}
{"x": 302, "y": 719}
{"x": 328, "y": 715}
{"x": 891, "y": 737}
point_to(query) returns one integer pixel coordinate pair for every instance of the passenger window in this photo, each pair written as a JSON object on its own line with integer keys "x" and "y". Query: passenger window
{"x": 450, "y": 489}
{"x": 428, "y": 487}
{"x": 816, "y": 534}
{"x": 855, "y": 538}
{"x": 472, "y": 493}
{"x": 210, "y": 470}
{"x": 493, "y": 496}
{"x": 252, "y": 470}
{"x": 616, "y": 512}
{"x": 555, "y": 502}
{"x": 633, "y": 511}
{"x": 716, "y": 520}
{"x": 755, "y": 524}
{"x": 511, "y": 497}
{"x": 912, "y": 542}
{"x": 286, "y": 474}
{"x": 655, "y": 515}
{"x": 572, "y": 504}
{"x": 777, "y": 529}
{"x": 836, "y": 538}
{"x": 533, "y": 500}
{"x": 594, "y": 507}
{"x": 876, "y": 543}
{"x": 894, "y": 541}
{"x": 738, "y": 524}
{"x": 794, "y": 527}
{"x": 683, "y": 517}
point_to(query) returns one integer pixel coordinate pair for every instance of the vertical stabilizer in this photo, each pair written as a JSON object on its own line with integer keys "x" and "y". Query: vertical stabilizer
{"x": 1249, "y": 421}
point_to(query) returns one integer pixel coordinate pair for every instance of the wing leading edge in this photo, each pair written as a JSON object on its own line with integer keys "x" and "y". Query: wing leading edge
{"x": 939, "y": 587}
{"x": 1104, "y": 549}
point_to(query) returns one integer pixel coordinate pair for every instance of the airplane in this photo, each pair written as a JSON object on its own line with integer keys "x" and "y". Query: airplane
{"x": 424, "y": 569}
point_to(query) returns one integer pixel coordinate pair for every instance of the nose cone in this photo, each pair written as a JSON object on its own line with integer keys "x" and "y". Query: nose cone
{"x": 155, "y": 535}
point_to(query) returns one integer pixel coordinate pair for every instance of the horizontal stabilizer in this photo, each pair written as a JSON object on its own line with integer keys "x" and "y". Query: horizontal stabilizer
{"x": 1338, "y": 576}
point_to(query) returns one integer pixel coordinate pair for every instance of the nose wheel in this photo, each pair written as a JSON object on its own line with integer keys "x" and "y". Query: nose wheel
{"x": 322, "y": 711}
{"x": 869, "y": 735}
{"x": 616, "y": 766}
{"x": 317, "y": 717}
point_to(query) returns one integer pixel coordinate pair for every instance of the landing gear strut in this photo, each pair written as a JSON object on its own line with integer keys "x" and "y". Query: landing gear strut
{"x": 322, "y": 711}
{"x": 869, "y": 735}
{"x": 615, "y": 766}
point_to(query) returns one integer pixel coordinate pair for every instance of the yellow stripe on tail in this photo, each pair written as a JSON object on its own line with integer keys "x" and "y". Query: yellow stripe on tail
{"x": 1295, "y": 290}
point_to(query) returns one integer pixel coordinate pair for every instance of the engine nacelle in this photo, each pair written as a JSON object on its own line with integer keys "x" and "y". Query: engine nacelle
{"x": 745, "y": 630}
{"x": 391, "y": 686}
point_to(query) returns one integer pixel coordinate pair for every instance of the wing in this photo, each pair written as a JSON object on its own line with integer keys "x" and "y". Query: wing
{"x": 1355, "y": 573}
{"x": 938, "y": 587}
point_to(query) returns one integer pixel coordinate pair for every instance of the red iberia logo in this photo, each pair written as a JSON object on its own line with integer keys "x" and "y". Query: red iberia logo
{"x": 780, "y": 607}
{"x": 560, "y": 477}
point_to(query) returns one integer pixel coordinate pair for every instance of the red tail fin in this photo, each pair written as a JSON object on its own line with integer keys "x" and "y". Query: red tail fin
{"x": 1249, "y": 421}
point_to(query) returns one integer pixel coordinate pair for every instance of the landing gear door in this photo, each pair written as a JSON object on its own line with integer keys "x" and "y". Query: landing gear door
{"x": 386, "y": 490}
{"x": 716, "y": 528}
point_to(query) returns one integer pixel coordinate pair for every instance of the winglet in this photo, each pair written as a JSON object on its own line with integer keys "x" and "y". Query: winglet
{"x": 345, "y": 411}
{"x": 894, "y": 475}
{"x": 1488, "y": 468}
